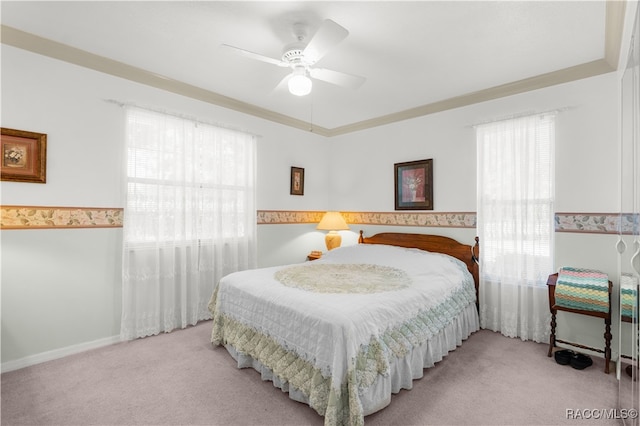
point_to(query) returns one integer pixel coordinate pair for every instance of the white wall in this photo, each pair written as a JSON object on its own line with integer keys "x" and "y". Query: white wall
{"x": 586, "y": 150}
{"x": 586, "y": 169}
{"x": 61, "y": 288}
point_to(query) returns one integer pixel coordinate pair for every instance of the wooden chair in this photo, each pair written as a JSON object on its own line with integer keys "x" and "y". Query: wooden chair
{"x": 551, "y": 283}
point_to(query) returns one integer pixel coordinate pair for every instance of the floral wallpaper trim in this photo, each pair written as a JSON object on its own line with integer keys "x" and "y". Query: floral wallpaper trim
{"x": 598, "y": 223}
{"x": 272, "y": 217}
{"x": 459, "y": 220}
{"x": 440, "y": 219}
{"x": 38, "y": 217}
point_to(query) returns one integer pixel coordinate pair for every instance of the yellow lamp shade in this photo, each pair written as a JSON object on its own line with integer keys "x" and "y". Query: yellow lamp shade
{"x": 332, "y": 222}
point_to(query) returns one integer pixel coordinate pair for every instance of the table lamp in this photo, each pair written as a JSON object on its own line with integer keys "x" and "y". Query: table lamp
{"x": 332, "y": 222}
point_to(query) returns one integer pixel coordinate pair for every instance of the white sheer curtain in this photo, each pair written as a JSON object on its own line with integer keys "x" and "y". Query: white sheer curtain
{"x": 189, "y": 218}
{"x": 516, "y": 224}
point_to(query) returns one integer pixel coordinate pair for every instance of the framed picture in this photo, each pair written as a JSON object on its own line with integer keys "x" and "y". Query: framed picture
{"x": 414, "y": 185}
{"x": 24, "y": 156}
{"x": 297, "y": 181}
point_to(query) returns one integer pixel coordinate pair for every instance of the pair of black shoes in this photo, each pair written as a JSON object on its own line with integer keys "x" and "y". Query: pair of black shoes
{"x": 576, "y": 360}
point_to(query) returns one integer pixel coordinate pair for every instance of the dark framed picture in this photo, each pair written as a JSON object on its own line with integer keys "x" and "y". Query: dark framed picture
{"x": 297, "y": 181}
{"x": 414, "y": 185}
{"x": 24, "y": 156}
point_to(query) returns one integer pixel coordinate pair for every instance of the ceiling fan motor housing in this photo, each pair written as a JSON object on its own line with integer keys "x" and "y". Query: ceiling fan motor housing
{"x": 294, "y": 54}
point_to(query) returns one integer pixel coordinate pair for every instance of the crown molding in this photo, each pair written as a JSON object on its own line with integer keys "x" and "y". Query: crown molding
{"x": 615, "y": 12}
{"x": 589, "y": 69}
{"x": 43, "y": 46}
{"x": 614, "y": 26}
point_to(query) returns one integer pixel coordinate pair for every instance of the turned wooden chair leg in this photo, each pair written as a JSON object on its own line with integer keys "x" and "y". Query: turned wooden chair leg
{"x": 552, "y": 336}
{"x": 607, "y": 344}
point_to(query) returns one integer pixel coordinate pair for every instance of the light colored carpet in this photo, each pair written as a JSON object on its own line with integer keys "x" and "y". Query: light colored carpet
{"x": 180, "y": 379}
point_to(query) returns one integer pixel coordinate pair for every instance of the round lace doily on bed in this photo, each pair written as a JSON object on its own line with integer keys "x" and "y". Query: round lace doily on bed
{"x": 343, "y": 278}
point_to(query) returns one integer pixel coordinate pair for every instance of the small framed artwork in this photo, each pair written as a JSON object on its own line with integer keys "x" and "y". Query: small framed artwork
{"x": 414, "y": 185}
{"x": 24, "y": 156}
{"x": 297, "y": 181}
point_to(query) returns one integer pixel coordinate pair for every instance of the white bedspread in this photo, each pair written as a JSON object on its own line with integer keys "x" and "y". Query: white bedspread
{"x": 333, "y": 341}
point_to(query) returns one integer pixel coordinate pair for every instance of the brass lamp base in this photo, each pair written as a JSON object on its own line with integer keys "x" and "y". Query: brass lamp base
{"x": 332, "y": 240}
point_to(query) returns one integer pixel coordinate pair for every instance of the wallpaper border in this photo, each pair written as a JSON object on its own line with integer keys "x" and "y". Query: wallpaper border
{"x": 43, "y": 217}
{"x": 440, "y": 219}
{"x": 591, "y": 223}
{"x": 598, "y": 223}
{"x": 39, "y": 217}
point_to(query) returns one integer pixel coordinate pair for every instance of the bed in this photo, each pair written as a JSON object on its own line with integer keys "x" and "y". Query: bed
{"x": 345, "y": 332}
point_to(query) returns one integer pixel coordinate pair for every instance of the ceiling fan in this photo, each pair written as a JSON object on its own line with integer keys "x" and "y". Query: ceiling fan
{"x": 301, "y": 56}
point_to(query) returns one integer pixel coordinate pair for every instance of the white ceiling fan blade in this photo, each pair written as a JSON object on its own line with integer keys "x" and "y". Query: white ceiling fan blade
{"x": 257, "y": 56}
{"x": 337, "y": 78}
{"x": 283, "y": 85}
{"x": 328, "y": 35}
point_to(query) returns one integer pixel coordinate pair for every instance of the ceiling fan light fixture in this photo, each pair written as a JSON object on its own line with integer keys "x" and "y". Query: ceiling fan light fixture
{"x": 300, "y": 85}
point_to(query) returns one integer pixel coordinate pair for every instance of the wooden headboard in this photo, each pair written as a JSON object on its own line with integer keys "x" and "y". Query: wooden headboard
{"x": 470, "y": 255}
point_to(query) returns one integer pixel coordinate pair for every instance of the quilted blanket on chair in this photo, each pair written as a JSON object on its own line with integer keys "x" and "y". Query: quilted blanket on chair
{"x": 628, "y": 296}
{"x": 585, "y": 289}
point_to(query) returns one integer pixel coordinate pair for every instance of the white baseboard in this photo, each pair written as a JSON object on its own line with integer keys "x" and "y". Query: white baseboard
{"x": 57, "y": 353}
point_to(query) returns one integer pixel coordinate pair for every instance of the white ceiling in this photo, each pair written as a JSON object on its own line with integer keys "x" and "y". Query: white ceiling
{"x": 418, "y": 57}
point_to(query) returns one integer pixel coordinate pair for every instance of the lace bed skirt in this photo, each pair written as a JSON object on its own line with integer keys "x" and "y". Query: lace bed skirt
{"x": 402, "y": 370}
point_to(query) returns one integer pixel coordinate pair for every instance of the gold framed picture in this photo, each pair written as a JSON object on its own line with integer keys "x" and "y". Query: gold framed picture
{"x": 24, "y": 156}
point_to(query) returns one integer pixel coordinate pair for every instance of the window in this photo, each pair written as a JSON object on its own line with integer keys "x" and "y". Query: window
{"x": 516, "y": 224}
{"x": 186, "y": 180}
{"x": 189, "y": 218}
{"x": 516, "y": 198}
